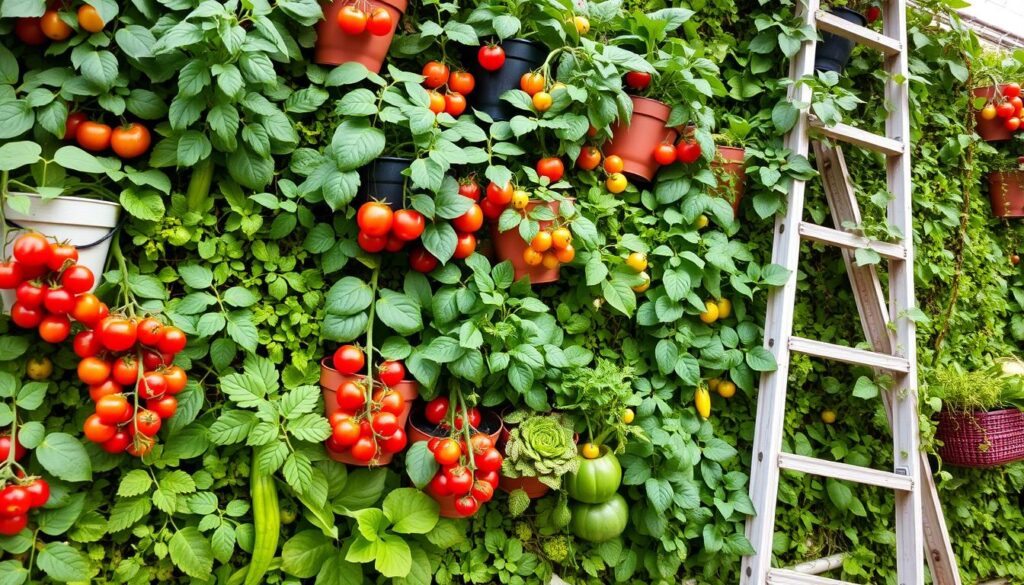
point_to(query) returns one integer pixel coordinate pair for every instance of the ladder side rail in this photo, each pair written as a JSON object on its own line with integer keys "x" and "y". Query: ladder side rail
{"x": 771, "y": 400}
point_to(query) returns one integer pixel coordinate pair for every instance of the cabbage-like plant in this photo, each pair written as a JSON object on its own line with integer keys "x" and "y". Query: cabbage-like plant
{"x": 541, "y": 446}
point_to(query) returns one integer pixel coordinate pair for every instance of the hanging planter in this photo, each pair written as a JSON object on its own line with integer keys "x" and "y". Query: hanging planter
{"x": 990, "y": 126}
{"x": 981, "y": 439}
{"x": 509, "y": 245}
{"x": 731, "y": 174}
{"x": 1006, "y": 190}
{"x": 833, "y": 51}
{"x": 334, "y": 46}
{"x": 331, "y": 379}
{"x": 87, "y": 224}
{"x": 635, "y": 143}
{"x": 521, "y": 56}
{"x": 382, "y": 180}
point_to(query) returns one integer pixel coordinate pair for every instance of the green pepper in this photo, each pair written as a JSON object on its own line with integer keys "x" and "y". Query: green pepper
{"x": 596, "y": 480}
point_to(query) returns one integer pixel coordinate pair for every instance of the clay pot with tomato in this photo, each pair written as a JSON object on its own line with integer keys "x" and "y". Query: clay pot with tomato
{"x": 1006, "y": 191}
{"x": 1000, "y": 116}
{"x": 498, "y": 67}
{"x": 636, "y": 142}
{"x": 357, "y": 31}
{"x": 509, "y": 245}
{"x": 731, "y": 174}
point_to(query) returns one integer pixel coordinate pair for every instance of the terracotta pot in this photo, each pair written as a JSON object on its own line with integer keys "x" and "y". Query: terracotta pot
{"x": 510, "y": 246}
{"x": 531, "y": 485}
{"x": 420, "y": 430}
{"x": 334, "y": 47}
{"x": 731, "y": 174}
{"x": 330, "y": 379}
{"x": 989, "y": 130}
{"x": 635, "y": 143}
{"x": 1006, "y": 190}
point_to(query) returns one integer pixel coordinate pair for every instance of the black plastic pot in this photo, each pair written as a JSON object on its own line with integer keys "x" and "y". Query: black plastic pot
{"x": 521, "y": 56}
{"x": 833, "y": 52}
{"x": 382, "y": 180}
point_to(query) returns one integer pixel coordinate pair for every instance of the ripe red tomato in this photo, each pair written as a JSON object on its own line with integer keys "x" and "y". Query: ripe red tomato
{"x": 118, "y": 333}
{"x": 551, "y": 167}
{"x": 140, "y": 445}
{"x": 87, "y": 344}
{"x": 174, "y": 340}
{"x": 380, "y": 22}
{"x": 31, "y": 294}
{"x": 589, "y": 158}
{"x": 54, "y": 328}
{"x": 352, "y": 20}
{"x": 5, "y": 449}
{"x": 1011, "y": 90}
{"x": 14, "y": 501}
{"x": 1012, "y": 124}
{"x": 481, "y": 443}
{"x": 375, "y": 218}
{"x": 113, "y": 409}
{"x": 638, "y": 80}
{"x": 11, "y": 275}
{"x": 454, "y": 104}
{"x": 436, "y": 74}
{"x": 125, "y": 370}
{"x": 164, "y": 407}
{"x": 483, "y": 491}
{"x": 364, "y": 450}
{"x": 150, "y": 331}
{"x": 491, "y": 57}
{"x": 462, "y": 82}
{"x": 470, "y": 221}
{"x": 59, "y": 300}
{"x": 89, "y": 310}
{"x": 491, "y": 210}
{"x": 460, "y": 479}
{"x": 489, "y": 460}
{"x": 500, "y": 194}
{"x": 77, "y": 279}
{"x": 422, "y": 261}
{"x": 437, "y": 410}
{"x": 97, "y": 431}
{"x": 152, "y": 360}
{"x": 71, "y": 125}
{"x": 337, "y": 416}
{"x": 30, "y": 32}
{"x": 385, "y": 424}
{"x": 390, "y": 401}
{"x": 464, "y": 246}
{"x": 117, "y": 443}
{"x": 468, "y": 187}
{"x": 394, "y": 243}
{"x": 26, "y": 317}
{"x": 61, "y": 256}
{"x": 39, "y": 492}
{"x": 351, "y": 396}
{"x": 32, "y": 249}
{"x": 152, "y": 385}
{"x": 466, "y": 506}
{"x": 93, "y": 136}
{"x": 438, "y": 486}
{"x": 391, "y": 372}
{"x": 176, "y": 379}
{"x": 130, "y": 141}
{"x": 147, "y": 422}
{"x": 688, "y": 151}
{"x": 447, "y": 452}
{"x": 873, "y": 13}
{"x": 372, "y": 244}
{"x": 107, "y": 388}
{"x": 491, "y": 477}
{"x": 408, "y": 224}
{"x": 11, "y": 525}
{"x": 93, "y": 370}
{"x": 1004, "y": 110}
{"x": 395, "y": 442}
{"x": 474, "y": 419}
{"x": 349, "y": 359}
{"x": 346, "y": 432}
{"x": 664, "y": 154}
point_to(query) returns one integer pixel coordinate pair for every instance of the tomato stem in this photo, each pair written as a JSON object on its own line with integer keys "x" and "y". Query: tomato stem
{"x": 369, "y": 353}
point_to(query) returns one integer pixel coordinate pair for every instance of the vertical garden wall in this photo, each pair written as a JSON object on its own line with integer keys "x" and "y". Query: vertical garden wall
{"x": 240, "y": 228}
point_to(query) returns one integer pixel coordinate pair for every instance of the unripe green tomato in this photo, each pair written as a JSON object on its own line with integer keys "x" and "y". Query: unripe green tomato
{"x": 600, "y": 522}
{"x": 596, "y": 480}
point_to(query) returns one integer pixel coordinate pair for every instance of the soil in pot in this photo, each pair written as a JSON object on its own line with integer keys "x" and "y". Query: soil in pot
{"x": 382, "y": 180}
{"x": 833, "y": 52}
{"x": 635, "y": 143}
{"x": 334, "y": 46}
{"x": 992, "y": 130}
{"x": 731, "y": 173}
{"x": 1006, "y": 190}
{"x": 509, "y": 245}
{"x": 521, "y": 56}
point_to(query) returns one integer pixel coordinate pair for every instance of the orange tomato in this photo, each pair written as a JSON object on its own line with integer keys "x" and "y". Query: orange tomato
{"x": 130, "y": 141}
{"x": 53, "y": 27}
{"x": 532, "y": 83}
{"x": 560, "y": 238}
{"x": 89, "y": 19}
{"x": 93, "y": 136}
{"x": 541, "y": 242}
{"x": 589, "y": 158}
{"x": 565, "y": 254}
{"x": 542, "y": 101}
{"x": 550, "y": 261}
{"x": 437, "y": 102}
{"x": 614, "y": 164}
{"x": 532, "y": 257}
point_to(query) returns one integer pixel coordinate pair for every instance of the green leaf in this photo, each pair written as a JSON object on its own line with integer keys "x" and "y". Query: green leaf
{"x": 718, "y": 450}
{"x": 76, "y": 159}
{"x": 356, "y": 143}
{"x": 135, "y": 482}
{"x": 303, "y": 554}
{"x": 761, "y": 360}
{"x": 348, "y": 296}
{"x": 394, "y": 558}
{"x": 18, "y": 154}
{"x": 31, "y": 395}
{"x": 64, "y": 457}
{"x": 191, "y": 552}
{"x": 400, "y": 312}
{"x": 144, "y": 204}
{"x": 411, "y": 511}
{"x": 865, "y": 388}
{"x": 63, "y": 563}
{"x": 420, "y": 464}
{"x": 337, "y": 571}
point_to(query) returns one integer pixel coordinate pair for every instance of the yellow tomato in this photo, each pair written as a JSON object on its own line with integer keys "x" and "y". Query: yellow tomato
{"x": 727, "y": 389}
{"x": 616, "y": 183}
{"x": 532, "y": 257}
{"x": 628, "y": 416}
{"x": 637, "y": 261}
{"x": 550, "y": 261}
{"x": 724, "y": 308}
{"x": 520, "y": 199}
{"x": 702, "y": 400}
{"x": 542, "y": 101}
{"x": 643, "y": 286}
{"x": 828, "y": 416}
{"x": 541, "y": 242}
{"x": 710, "y": 314}
{"x": 560, "y": 238}
{"x": 582, "y": 24}
{"x": 557, "y": 86}
{"x": 988, "y": 112}
{"x": 590, "y": 451}
{"x": 39, "y": 368}
{"x": 713, "y": 383}
{"x": 702, "y": 222}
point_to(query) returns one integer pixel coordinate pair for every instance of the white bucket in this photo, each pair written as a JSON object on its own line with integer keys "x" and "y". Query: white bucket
{"x": 81, "y": 222}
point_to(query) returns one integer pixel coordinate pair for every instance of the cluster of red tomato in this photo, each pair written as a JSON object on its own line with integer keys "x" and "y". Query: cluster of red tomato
{"x": 1009, "y": 109}
{"x": 460, "y": 84}
{"x": 128, "y": 141}
{"x": 380, "y": 228}
{"x": 686, "y": 152}
{"x": 16, "y": 499}
{"x": 354, "y": 20}
{"x": 364, "y": 430}
{"x": 468, "y": 473}
{"x": 49, "y": 286}
{"x": 137, "y": 354}
{"x": 35, "y": 31}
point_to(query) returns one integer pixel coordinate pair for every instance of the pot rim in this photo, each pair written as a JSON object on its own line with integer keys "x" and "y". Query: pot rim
{"x": 325, "y": 363}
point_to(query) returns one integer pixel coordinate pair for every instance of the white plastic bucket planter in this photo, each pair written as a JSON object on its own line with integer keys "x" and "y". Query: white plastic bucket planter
{"x": 85, "y": 223}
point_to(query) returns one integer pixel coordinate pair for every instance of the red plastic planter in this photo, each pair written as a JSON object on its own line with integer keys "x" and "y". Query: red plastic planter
{"x": 635, "y": 143}
{"x": 731, "y": 173}
{"x": 989, "y": 130}
{"x": 510, "y": 246}
{"x": 330, "y": 379}
{"x": 1006, "y": 190}
{"x": 334, "y": 47}
{"x": 981, "y": 439}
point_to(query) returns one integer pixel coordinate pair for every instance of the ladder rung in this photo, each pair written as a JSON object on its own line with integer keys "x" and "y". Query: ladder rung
{"x": 787, "y": 577}
{"x": 859, "y": 34}
{"x": 827, "y": 235}
{"x": 858, "y": 137}
{"x": 841, "y": 353}
{"x": 854, "y": 473}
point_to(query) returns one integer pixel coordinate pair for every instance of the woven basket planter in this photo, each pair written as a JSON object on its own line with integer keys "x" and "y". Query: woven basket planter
{"x": 981, "y": 439}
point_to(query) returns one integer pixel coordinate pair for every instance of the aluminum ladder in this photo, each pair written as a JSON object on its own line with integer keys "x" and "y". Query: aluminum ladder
{"x": 920, "y": 526}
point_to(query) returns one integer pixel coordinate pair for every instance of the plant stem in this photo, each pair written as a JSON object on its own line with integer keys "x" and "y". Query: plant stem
{"x": 369, "y": 348}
